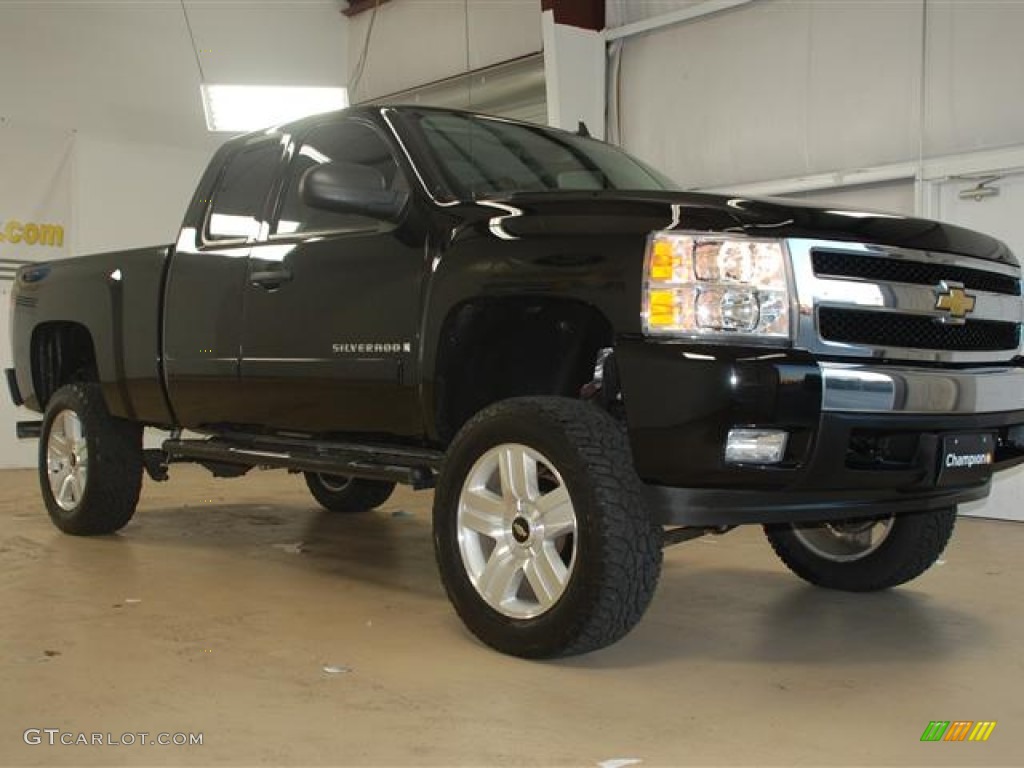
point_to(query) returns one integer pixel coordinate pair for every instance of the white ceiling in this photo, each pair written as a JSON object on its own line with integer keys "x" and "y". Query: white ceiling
{"x": 127, "y": 70}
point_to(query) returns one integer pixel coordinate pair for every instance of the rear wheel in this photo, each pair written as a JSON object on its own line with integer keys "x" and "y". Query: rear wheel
{"x": 543, "y": 540}
{"x": 90, "y": 463}
{"x": 348, "y": 495}
{"x": 863, "y": 555}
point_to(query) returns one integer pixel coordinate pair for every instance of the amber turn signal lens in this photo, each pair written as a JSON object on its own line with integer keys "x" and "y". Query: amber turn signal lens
{"x": 663, "y": 261}
{"x": 661, "y": 308}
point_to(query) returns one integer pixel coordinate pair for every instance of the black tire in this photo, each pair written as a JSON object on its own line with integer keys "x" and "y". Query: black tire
{"x": 348, "y": 495}
{"x": 615, "y": 548}
{"x": 113, "y": 463}
{"x": 913, "y": 543}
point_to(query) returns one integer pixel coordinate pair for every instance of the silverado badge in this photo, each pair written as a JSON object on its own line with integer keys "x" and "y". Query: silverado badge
{"x": 372, "y": 348}
{"x": 955, "y": 300}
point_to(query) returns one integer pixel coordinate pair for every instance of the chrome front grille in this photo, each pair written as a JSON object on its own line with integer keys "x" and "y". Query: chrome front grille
{"x": 863, "y": 301}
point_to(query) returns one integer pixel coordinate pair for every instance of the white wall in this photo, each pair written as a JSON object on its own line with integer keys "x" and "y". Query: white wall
{"x": 415, "y": 42}
{"x": 574, "y": 66}
{"x": 775, "y": 89}
{"x": 36, "y": 172}
{"x": 115, "y": 85}
{"x": 514, "y": 89}
{"x": 621, "y": 12}
{"x": 897, "y": 197}
{"x": 974, "y": 76}
{"x": 160, "y": 179}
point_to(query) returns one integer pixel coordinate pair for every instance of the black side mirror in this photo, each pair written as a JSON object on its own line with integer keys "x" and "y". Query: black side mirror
{"x": 350, "y": 188}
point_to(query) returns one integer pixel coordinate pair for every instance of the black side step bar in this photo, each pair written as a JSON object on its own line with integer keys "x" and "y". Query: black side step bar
{"x": 411, "y": 466}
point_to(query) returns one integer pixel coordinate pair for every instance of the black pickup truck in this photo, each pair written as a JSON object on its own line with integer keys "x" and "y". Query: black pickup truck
{"x": 585, "y": 362}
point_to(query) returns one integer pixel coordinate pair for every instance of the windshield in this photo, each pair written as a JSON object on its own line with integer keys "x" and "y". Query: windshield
{"x": 484, "y": 157}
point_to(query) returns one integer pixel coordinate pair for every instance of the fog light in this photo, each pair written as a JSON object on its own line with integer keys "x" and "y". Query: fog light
{"x": 755, "y": 446}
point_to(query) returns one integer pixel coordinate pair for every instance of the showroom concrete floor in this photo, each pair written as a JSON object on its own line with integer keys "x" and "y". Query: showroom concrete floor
{"x": 218, "y": 609}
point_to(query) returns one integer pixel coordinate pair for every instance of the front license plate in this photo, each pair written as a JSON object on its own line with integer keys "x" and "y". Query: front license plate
{"x": 966, "y": 459}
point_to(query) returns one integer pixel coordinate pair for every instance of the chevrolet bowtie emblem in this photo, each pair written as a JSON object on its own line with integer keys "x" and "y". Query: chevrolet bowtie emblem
{"x": 954, "y": 299}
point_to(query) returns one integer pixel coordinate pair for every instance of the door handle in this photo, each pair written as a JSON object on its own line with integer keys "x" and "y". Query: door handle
{"x": 270, "y": 279}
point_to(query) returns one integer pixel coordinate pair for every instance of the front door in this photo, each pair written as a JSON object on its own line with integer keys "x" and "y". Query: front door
{"x": 332, "y": 304}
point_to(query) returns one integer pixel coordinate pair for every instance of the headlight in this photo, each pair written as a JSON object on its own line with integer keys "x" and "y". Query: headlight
{"x": 717, "y": 286}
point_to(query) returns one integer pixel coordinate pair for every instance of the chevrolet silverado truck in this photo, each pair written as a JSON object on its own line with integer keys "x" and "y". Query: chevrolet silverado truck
{"x": 584, "y": 361}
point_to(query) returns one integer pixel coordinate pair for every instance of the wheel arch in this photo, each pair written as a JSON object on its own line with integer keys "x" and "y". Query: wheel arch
{"x": 494, "y": 348}
{"x": 61, "y": 352}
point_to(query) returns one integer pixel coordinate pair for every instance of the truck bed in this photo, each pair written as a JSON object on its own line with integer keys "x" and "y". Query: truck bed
{"x": 114, "y": 296}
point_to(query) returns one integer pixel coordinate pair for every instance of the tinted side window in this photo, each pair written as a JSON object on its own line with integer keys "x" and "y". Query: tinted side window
{"x": 238, "y": 202}
{"x": 350, "y": 142}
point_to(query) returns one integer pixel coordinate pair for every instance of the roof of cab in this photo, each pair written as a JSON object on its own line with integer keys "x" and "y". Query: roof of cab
{"x": 360, "y": 109}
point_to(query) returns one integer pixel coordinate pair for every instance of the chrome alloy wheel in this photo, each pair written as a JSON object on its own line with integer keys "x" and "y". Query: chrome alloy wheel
{"x": 517, "y": 531}
{"x": 67, "y": 460}
{"x": 844, "y": 542}
{"x": 334, "y": 483}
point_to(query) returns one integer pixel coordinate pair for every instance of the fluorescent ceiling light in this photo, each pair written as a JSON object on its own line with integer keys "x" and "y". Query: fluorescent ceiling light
{"x": 251, "y": 107}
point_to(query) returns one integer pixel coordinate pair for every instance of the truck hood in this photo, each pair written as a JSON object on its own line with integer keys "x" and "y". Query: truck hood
{"x": 614, "y": 212}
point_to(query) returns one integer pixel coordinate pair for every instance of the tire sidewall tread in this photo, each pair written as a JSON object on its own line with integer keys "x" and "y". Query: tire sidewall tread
{"x": 359, "y": 495}
{"x": 912, "y": 546}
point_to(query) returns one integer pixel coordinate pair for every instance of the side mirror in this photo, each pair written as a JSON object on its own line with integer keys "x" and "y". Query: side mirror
{"x": 350, "y": 188}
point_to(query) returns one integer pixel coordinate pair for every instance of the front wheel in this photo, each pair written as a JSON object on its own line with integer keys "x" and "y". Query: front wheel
{"x": 542, "y": 537}
{"x": 863, "y": 555}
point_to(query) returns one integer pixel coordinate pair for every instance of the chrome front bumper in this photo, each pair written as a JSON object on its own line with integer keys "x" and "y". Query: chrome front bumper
{"x": 860, "y": 388}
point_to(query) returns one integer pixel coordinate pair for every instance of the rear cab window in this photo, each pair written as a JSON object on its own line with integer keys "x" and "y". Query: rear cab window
{"x": 238, "y": 202}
